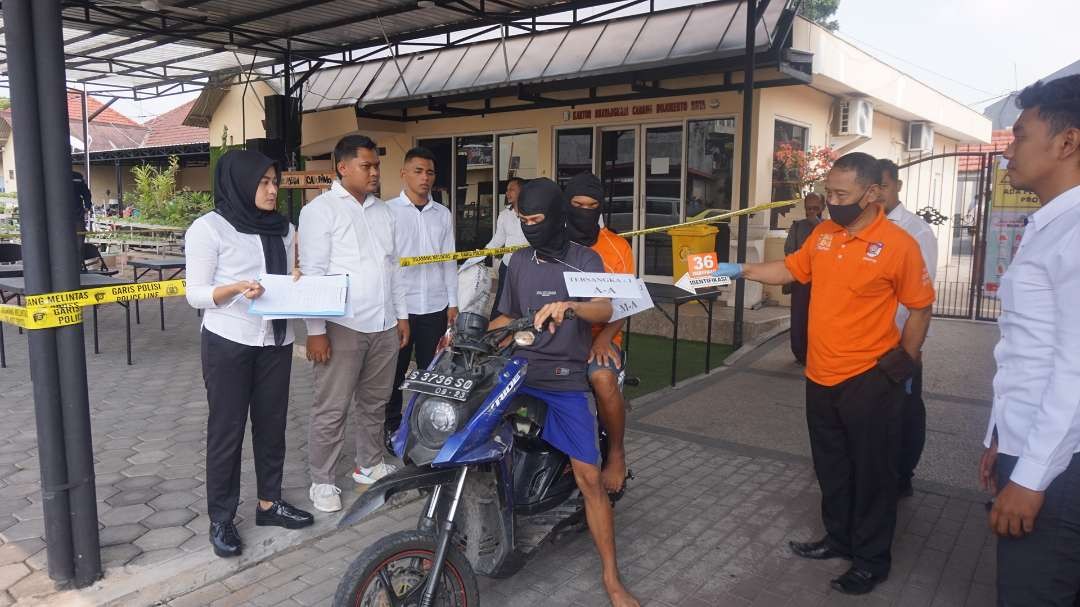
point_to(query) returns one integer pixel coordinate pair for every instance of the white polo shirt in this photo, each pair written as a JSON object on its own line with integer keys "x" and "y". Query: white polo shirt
{"x": 924, "y": 235}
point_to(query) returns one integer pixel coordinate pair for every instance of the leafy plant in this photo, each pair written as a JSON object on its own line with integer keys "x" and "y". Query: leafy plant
{"x": 157, "y": 200}
{"x": 800, "y": 168}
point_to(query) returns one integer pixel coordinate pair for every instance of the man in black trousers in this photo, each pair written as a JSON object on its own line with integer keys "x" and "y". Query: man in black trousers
{"x": 800, "y": 230}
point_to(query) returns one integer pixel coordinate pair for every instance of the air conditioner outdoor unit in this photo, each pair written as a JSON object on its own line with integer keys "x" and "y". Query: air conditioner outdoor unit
{"x": 855, "y": 116}
{"x": 920, "y": 137}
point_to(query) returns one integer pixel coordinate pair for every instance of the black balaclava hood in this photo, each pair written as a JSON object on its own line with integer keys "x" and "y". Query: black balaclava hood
{"x": 236, "y": 181}
{"x": 548, "y": 237}
{"x": 584, "y": 224}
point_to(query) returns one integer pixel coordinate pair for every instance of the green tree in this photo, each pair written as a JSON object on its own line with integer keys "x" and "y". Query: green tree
{"x": 5, "y": 103}
{"x": 821, "y": 12}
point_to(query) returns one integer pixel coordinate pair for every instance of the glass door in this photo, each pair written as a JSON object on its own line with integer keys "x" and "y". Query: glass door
{"x": 618, "y": 174}
{"x": 661, "y": 198}
{"x": 474, "y": 197}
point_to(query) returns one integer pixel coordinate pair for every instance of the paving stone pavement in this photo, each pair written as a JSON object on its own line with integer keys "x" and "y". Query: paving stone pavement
{"x": 705, "y": 523}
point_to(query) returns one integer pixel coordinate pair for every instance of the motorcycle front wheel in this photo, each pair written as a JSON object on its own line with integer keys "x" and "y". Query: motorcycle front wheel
{"x": 392, "y": 572}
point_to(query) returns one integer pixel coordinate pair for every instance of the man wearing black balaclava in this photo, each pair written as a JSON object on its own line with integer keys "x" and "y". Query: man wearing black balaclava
{"x": 585, "y": 195}
{"x": 558, "y": 359}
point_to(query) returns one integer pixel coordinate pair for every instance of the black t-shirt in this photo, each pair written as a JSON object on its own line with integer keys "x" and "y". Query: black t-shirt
{"x": 556, "y": 362}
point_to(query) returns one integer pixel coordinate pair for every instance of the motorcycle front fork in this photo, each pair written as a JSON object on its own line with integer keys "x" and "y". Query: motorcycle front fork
{"x": 446, "y": 530}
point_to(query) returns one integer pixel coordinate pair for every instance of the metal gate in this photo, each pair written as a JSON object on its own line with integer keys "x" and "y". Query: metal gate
{"x": 952, "y": 192}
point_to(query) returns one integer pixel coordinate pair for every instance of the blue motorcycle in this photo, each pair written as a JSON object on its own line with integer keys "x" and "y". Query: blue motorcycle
{"x": 496, "y": 491}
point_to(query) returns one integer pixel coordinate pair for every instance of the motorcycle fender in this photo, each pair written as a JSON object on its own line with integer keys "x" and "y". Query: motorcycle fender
{"x": 405, "y": 479}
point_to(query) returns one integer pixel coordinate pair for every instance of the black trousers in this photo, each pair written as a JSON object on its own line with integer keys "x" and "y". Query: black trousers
{"x": 425, "y": 331}
{"x": 800, "y": 314}
{"x": 913, "y": 438}
{"x": 1043, "y": 567}
{"x": 241, "y": 381}
{"x": 855, "y": 440}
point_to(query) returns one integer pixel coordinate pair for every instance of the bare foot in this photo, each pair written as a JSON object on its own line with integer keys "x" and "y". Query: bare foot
{"x": 619, "y": 595}
{"x": 613, "y": 474}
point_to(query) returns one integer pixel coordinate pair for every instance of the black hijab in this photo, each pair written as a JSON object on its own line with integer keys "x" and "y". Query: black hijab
{"x": 548, "y": 237}
{"x": 584, "y": 224}
{"x": 236, "y": 181}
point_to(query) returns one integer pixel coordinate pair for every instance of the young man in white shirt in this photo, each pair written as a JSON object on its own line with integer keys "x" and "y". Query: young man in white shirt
{"x": 1032, "y": 461}
{"x": 348, "y": 230}
{"x": 425, "y": 227}
{"x": 913, "y": 435}
{"x": 507, "y": 234}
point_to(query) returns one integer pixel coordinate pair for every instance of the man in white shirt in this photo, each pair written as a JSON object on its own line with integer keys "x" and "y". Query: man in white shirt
{"x": 913, "y": 436}
{"x": 348, "y": 230}
{"x": 1032, "y": 461}
{"x": 507, "y": 234}
{"x": 424, "y": 227}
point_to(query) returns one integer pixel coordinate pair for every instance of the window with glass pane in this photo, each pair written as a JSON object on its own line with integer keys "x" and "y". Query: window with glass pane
{"x": 573, "y": 153}
{"x": 663, "y": 193}
{"x": 710, "y": 156}
{"x": 785, "y": 185}
{"x": 617, "y": 176}
{"x": 443, "y": 149}
{"x": 517, "y": 158}
{"x": 474, "y": 201}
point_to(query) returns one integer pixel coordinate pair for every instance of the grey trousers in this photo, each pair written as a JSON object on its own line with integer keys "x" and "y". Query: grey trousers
{"x": 356, "y": 383}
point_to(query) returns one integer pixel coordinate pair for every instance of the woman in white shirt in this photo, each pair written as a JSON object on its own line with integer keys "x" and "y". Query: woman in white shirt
{"x": 507, "y": 234}
{"x": 246, "y": 360}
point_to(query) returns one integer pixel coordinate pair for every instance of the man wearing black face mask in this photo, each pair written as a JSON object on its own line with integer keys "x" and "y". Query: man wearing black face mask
{"x": 557, "y": 361}
{"x": 862, "y": 266}
{"x": 585, "y": 194}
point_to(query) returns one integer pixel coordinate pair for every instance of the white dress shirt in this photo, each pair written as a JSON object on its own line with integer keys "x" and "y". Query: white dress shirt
{"x": 924, "y": 235}
{"x": 507, "y": 233}
{"x": 427, "y": 231}
{"x": 340, "y": 235}
{"x": 218, "y": 255}
{"x": 1037, "y": 385}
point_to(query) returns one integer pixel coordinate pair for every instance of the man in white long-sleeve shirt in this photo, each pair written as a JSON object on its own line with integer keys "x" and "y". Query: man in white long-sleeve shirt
{"x": 348, "y": 230}
{"x": 913, "y": 435}
{"x": 424, "y": 227}
{"x": 507, "y": 234}
{"x": 1032, "y": 461}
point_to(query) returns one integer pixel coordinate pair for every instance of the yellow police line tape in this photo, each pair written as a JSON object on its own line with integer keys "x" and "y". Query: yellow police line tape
{"x": 65, "y": 308}
{"x": 441, "y": 257}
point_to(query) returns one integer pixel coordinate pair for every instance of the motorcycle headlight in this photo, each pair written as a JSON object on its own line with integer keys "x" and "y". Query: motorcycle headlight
{"x": 436, "y": 420}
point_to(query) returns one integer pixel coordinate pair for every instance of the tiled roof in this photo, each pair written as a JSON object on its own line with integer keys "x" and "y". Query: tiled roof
{"x": 109, "y": 116}
{"x": 998, "y": 142}
{"x": 169, "y": 129}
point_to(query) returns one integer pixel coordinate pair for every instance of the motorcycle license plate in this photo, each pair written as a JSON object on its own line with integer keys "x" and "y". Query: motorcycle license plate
{"x": 438, "y": 384}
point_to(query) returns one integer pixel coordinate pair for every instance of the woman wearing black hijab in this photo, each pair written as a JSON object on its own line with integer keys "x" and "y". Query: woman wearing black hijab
{"x": 246, "y": 360}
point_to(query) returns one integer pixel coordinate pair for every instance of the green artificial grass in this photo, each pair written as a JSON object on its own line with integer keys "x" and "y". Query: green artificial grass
{"x": 650, "y": 362}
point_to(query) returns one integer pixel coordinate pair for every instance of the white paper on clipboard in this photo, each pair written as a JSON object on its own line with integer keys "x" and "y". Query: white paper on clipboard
{"x": 308, "y": 297}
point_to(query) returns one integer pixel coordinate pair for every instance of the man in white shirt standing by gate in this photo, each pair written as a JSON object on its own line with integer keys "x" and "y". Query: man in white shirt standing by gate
{"x": 1032, "y": 461}
{"x": 425, "y": 227}
{"x": 348, "y": 230}
{"x": 913, "y": 435}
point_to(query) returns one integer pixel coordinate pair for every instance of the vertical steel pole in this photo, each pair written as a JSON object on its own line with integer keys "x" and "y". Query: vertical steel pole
{"x": 65, "y": 271}
{"x": 86, "y": 134}
{"x": 745, "y": 159}
{"x": 44, "y": 373}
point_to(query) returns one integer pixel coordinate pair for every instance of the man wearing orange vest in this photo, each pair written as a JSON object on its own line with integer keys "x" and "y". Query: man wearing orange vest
{"x": 861, "y": 266}
{"x": 585, "y": 194}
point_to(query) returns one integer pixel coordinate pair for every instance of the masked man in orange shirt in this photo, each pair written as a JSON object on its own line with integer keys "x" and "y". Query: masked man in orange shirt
{"x": 606, "y": 358}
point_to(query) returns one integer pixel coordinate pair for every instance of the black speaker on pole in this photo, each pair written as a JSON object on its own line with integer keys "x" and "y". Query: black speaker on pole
{"x": 283, "y": 119}
{"x": 274, "y": 148}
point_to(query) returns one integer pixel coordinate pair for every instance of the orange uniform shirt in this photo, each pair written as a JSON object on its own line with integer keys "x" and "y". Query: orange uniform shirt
{"x": 618, "y": 258}
{"x": 856, "y": 284}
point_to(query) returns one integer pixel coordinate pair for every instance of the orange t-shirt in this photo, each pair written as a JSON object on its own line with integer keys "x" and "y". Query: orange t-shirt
{"x": 618, "y": 258}
{"x": 856, "y": 283}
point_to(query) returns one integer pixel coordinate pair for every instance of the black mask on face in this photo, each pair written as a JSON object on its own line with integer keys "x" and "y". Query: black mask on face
{"x": 584, "y": 224}
{"x": 549, "y": 237}
{"x": 846, "y": 214}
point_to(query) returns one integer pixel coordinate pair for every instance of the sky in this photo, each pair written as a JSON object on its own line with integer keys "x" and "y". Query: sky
{"x": 972, "y": 50}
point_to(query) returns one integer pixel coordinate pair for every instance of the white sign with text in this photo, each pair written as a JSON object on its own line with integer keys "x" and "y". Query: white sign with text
{"x": 624, "y": 307}
{"x": 601, "y": 284}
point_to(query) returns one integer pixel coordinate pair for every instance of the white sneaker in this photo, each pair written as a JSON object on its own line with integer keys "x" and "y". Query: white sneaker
{"x": 367, "y": 476}
{"x": 325, "y": 497}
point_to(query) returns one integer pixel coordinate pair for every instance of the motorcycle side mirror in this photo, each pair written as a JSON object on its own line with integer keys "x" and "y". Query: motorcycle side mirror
{"x": 524, "y": 338}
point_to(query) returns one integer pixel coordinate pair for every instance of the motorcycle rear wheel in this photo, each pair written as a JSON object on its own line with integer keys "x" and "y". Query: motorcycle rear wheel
{"x": 392, "y": 573}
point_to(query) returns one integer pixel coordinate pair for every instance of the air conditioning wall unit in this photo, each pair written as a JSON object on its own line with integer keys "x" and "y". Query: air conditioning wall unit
{"x": 854, "y": 116}
{"x": 920, "y": 137}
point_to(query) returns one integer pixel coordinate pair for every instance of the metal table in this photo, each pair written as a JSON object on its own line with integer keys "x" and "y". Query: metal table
{"x": 173, "y": 264}
{"x": 15, "y": 288}
{"x": 9, "y": 270}
{"x": 674, "y": 295}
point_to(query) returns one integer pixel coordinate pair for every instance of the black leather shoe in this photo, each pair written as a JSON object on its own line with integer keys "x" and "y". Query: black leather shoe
{"x": 281, "y": 514}
{"x": 225, "y": 539}
{"x": 857, "y": 581}
{"x": 816, "y": 550}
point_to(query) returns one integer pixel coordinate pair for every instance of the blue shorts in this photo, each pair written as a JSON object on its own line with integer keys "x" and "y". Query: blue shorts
{"x": 596, "y": 365}
{"x": 570, "y": 425}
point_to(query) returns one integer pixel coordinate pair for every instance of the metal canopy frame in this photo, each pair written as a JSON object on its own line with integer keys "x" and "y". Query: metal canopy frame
{"x": 110, "y": 47}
